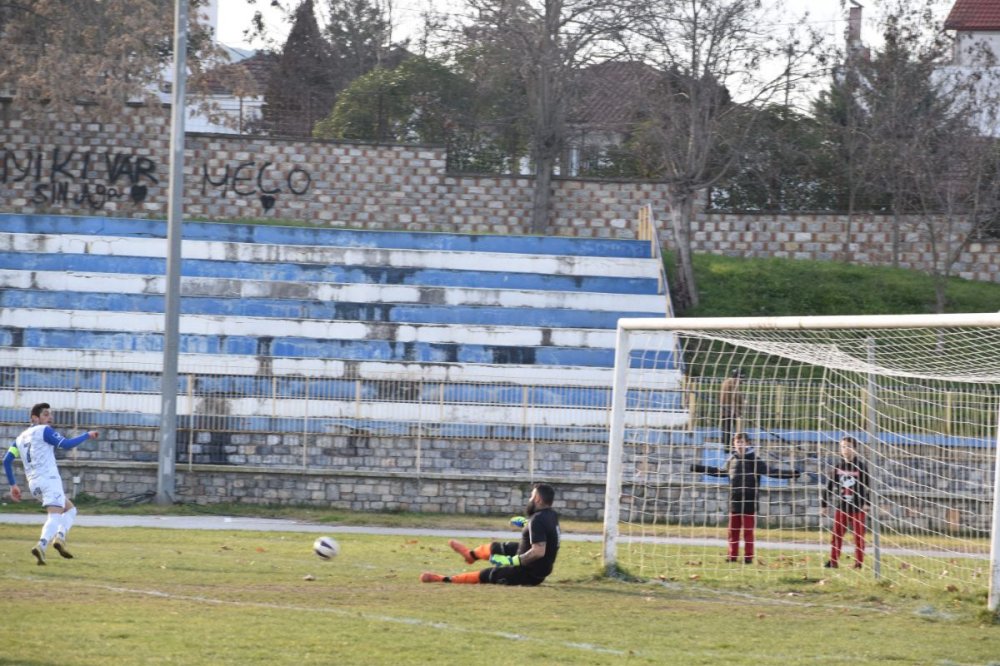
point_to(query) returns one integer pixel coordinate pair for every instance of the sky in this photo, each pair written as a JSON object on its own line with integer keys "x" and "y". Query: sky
{"x": 235, "y": 16}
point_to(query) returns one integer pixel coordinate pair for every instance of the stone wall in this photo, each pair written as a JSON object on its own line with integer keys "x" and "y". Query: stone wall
{"x": 349, "y": 491}
{"x": 120, "y": 169}
{"x": 488, "y": 478}
{"x": 794, "y": 507}
{"x": 821, "y": 237}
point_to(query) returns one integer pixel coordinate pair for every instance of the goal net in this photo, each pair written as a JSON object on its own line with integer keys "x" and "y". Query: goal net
{"x": 916, "y": 397}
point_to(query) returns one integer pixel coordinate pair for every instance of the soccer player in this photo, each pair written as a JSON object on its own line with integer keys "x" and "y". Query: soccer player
{"x": 526, "y": 562}
{"x": 36, "y": 447}
{"x": 744, "y": 470}
{"x": 849, "y": 483}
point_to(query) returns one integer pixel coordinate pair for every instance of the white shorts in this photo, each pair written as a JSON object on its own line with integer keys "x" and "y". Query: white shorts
{"x": 49, "y": 491}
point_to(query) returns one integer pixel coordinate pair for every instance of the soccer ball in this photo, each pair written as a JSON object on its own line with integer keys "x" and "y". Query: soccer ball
{"x": 326, "y": 547}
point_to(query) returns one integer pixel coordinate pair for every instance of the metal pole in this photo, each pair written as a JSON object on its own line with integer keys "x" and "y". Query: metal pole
{"x": 166, "y": 478}
{"x": 993, "y": 600}
{"x": 875, "y": 499}
{"x": 616, "y": 447}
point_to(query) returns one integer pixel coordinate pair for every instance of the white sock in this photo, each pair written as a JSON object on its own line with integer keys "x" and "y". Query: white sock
{"x": 49, "y": 529}
{"x": 66, "y": 523}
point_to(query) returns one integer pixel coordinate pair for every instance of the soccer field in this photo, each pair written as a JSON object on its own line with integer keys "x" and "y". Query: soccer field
{"x": 148, "y": 596}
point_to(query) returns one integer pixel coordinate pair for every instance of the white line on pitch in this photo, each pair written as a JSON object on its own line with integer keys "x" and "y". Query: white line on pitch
{"x": 410, "y": 621}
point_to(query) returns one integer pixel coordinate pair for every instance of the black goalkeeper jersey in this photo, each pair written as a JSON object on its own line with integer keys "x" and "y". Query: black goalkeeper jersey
{"x": 543, "y": 526}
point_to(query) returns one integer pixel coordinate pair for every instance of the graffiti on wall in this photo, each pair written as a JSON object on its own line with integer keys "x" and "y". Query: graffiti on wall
{"x": 264, "y": 180}
{"x": 62, "y": 177}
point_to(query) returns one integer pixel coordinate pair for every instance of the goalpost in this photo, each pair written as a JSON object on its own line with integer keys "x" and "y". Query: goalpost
{"x": 920, "y": 394}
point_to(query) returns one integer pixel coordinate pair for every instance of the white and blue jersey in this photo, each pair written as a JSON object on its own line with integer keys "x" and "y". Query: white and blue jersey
{"x": 36, "y": 447}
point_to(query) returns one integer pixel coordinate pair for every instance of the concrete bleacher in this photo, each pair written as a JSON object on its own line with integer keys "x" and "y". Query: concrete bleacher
{"x": 304, "y": 329}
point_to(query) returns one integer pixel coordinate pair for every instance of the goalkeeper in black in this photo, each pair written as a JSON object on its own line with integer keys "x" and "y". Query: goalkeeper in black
{"x": 524, "y": 562}
{"x": 744, "y": 470}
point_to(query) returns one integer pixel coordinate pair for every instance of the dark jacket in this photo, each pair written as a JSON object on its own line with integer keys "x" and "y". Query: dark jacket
{"x": 744, "y": 474}
{"x": 848, "y": 487}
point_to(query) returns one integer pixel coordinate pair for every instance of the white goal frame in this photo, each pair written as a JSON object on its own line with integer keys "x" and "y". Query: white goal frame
{"x": 623, "y": 348}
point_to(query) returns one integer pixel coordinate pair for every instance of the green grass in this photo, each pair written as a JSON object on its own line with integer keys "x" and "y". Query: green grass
{"x": 736, "y": 286}
{"x": 144, "y": 596}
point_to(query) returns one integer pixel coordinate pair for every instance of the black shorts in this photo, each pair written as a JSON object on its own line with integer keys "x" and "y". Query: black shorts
{"x": 508, "y": 576}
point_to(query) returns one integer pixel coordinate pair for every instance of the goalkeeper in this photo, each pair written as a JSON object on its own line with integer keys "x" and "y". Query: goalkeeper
{"x": 524, "y": 562}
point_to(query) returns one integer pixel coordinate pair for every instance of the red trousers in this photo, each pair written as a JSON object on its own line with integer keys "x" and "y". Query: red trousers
{"x": 746, "y": 523}
{"x": 841, "y": 521}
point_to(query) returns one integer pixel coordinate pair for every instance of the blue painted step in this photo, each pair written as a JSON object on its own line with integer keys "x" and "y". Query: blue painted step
{"x": 314, "y": 309}
{"x": 247, "y": 233}
{"x": 430, "y": 393}
{"x": 319, "y": 273}
{"x": 296, "y": 347}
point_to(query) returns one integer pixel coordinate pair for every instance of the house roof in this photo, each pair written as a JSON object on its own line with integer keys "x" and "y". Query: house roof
{"x": 608, "y": 93}
{"x": 248, "y": 76}
{"x": 967, "y": 15}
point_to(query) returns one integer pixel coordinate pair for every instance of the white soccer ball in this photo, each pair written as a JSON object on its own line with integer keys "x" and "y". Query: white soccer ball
{"x": 326, "y": 547}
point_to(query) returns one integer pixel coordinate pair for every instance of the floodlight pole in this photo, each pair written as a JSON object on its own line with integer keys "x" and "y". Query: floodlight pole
{"x": 166, "y": 478}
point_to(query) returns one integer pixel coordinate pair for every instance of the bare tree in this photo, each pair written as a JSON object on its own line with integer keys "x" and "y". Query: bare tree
{"x": 547, "y": 42}
{"x": 58, "y": 54}
{"x": 922, "y": 122}
{"x": 931, "y": 127}
{"x": 716, "y": 84}
{"x": 958, "y": 198}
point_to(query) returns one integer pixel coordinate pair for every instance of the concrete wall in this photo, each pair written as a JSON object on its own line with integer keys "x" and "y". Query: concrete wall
{"x": 354, "y": 491}
{"x": 790, "y": 507}
{"x": 822, "y": 237}
{"x": 120, "y": 169}
{"x": 483, "y": 477}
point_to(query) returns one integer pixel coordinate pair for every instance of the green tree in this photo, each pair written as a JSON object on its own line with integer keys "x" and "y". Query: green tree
{"x": 418, "y": 101}
{"x": 303, "y": 86}
{"x": 695, "y": 134}
{"x": 841, "y": 120}
{"x": 358, "y": 33}
{"x": 784, "y": 166}
{"x": 496, "y": 134}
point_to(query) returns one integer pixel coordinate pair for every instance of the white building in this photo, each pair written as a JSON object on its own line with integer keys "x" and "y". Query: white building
{"x": 231, "y": 111}
{"x": 976, "y": 57}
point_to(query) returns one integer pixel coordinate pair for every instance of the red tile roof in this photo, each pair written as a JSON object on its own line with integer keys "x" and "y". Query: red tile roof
{"x": 968, "y": 15}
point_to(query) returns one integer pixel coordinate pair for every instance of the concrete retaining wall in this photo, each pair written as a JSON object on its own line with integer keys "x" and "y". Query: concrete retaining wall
{"x": 120, "y": 169}
{"x": 869, "y": 240}
{"x": 403, "y": 474}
